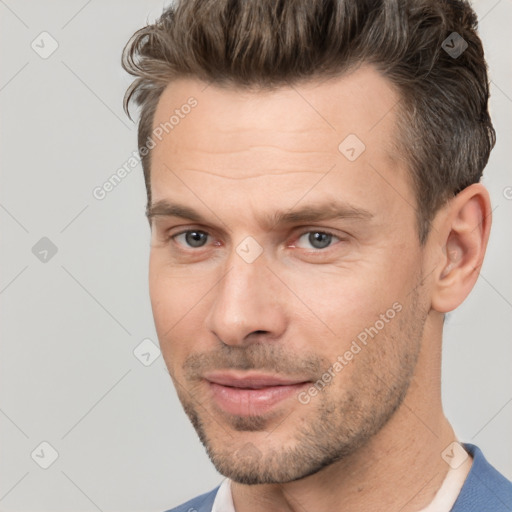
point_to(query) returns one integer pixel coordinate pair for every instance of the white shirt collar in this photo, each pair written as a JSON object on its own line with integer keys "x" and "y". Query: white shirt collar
{"x": 224, "y": 500}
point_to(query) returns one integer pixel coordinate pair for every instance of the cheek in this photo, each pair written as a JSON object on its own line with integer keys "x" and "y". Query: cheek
{"x": 363, "y": 309}
{"x": 172, "y": 301}
{"x": 342, "y": 302}
{"x": 180, "y": 305}
{"x": 173, "y": 290}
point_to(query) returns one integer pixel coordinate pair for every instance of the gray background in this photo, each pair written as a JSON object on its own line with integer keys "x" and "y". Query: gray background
{"x": 70, "y": 324}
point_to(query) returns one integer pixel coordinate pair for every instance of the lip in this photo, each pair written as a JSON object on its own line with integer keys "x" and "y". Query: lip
{"x": 250, "y": 380}
{"x": 251, "y": 394}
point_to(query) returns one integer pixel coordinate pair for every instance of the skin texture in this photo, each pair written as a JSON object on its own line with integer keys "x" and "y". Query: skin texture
{"x": 372, "y": 438}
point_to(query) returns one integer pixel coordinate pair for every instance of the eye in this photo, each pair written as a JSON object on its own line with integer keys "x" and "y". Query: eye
{"x": 317, "y": 239}
{"x": 192, "y": 238}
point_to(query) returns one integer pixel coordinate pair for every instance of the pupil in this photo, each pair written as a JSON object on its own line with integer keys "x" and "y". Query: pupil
{"x": 319, "y": 240}
{"x": 195, "y": 238}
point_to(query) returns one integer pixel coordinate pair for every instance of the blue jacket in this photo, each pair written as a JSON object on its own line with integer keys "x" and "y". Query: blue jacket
{"x": 485, "y": 490}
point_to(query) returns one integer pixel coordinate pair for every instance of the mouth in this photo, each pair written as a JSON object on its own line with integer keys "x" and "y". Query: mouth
{"x": 251, "y": 394}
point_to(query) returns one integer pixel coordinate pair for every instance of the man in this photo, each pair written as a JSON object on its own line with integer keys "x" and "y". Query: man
{"x": 312, "y": 170}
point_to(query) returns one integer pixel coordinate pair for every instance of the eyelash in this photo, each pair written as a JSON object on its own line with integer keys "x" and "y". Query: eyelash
{"x": 300, "y": 235}
{"x": 324, "y": 232}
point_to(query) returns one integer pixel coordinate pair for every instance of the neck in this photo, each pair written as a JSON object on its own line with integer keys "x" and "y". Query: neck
{"x": 400, "y": 468}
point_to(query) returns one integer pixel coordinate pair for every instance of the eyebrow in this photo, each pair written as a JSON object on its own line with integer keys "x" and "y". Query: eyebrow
{"x": 311, "y": 213}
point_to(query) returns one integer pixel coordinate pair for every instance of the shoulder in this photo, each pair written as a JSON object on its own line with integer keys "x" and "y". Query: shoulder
{"x": 485, "y": 489}
{"x": 201, "y": 503}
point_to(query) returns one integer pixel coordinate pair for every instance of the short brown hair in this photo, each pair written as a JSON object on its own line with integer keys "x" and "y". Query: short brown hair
{"x": 445, "y": 132}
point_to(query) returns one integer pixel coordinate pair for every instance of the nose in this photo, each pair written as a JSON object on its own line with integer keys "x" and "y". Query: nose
{"x": 247, "y": 306}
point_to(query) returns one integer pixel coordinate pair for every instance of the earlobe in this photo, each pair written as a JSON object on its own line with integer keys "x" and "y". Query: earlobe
{"x": 463, "y": 235}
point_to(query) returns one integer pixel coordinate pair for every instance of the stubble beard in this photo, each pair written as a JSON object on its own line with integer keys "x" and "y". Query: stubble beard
{"x": 336, "y": 426}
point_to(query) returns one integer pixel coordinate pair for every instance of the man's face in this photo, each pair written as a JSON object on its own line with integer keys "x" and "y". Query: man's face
{"x": 301, "y": 254}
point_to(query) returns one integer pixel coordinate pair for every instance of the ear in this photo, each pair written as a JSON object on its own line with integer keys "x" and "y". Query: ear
{"x": 463, "y": 234}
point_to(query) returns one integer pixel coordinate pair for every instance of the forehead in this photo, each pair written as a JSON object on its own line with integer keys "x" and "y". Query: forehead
{"x": 361, "y": 102}
{"x": 277, "y": 142}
